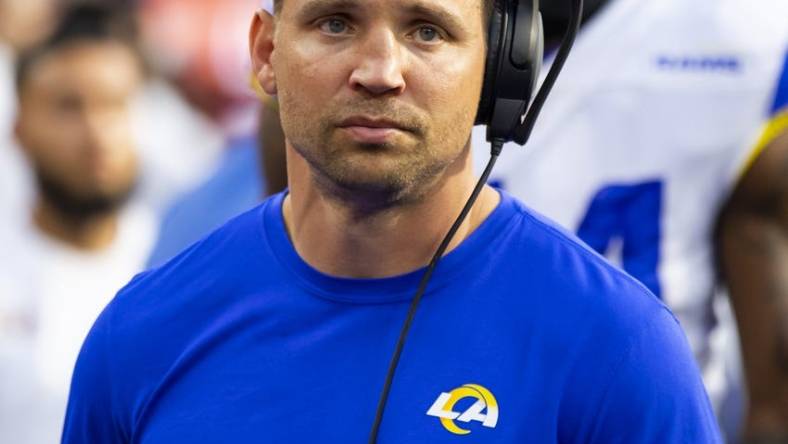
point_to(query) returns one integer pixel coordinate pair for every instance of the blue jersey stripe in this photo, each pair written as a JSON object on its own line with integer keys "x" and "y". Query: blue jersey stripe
{"x": 781, "y": 98}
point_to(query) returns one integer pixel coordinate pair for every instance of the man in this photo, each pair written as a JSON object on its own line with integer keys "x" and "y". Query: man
{"x": 641, "y": 145}
{"x": 81, "y": 240}
{"x": 280, "y": 325}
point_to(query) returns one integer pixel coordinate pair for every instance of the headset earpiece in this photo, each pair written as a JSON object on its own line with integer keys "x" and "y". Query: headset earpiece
{"x": 491, "y": 66}
{"x": 514, "y": 56}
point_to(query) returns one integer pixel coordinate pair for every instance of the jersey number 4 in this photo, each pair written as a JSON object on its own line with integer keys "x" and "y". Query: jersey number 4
{"x": 627, "y": 217}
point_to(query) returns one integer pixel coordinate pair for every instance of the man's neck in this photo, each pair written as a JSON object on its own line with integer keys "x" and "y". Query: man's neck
{"x": 89, "y": 233}
{"x": 334, "y": 237}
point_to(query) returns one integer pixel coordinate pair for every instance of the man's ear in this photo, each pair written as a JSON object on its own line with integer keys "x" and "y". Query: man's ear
{"x": 261, "y": 46}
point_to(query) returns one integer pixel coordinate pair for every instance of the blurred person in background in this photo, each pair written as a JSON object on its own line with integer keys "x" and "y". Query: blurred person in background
{"x": 200, "y": 45}
{"x": 178, "y": 144}
{"x": 196, "y": 44}
{"x": 241, "y": 181}
{"x": 643, "y": 141}
{"x": 81, "y": 239}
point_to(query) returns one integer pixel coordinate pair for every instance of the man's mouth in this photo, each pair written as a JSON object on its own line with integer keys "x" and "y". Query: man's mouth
{"x": 372, "y": 130}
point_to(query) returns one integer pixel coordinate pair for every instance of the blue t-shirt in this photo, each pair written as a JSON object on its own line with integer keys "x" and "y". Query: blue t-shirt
{"x": 524, "y": 336}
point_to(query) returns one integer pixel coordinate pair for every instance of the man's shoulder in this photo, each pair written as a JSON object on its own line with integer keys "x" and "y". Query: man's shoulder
{"x": 184, "y": 286}
{"x": 162, "y": 312}
{"x": 547, "y": 238}
{"x": 597, "y": 322}
{"x": 577, "y": 281}
{"x": 220, "y": 250}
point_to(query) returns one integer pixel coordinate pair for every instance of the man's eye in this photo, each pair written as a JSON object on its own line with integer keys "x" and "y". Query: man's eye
{"x": 428, "y": 34}
{"x": 334, "y": 26}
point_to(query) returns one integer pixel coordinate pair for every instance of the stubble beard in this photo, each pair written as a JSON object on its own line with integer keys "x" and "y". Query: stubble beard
{"x": 347, "y": 176}
{"x": 370, "y": 177}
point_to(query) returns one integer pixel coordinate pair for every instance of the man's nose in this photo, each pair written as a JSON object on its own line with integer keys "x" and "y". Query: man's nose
{"x": 380, "y": 66}
{"x": 100, "y": 129}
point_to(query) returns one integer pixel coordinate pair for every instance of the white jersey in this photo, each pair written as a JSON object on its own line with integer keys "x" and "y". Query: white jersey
{"x": 50, "y": 295}
{"x": 643, "y": 137}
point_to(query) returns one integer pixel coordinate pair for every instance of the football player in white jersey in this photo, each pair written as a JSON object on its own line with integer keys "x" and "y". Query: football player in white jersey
{"x": 648, "y": 133}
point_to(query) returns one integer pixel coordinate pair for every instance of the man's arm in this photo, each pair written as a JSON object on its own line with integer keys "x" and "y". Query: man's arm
{"x": 752, "y": 245}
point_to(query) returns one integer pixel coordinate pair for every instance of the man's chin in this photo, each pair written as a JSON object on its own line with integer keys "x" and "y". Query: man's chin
{"x": 368, "y": 181}
{"x": 355, "y": 181}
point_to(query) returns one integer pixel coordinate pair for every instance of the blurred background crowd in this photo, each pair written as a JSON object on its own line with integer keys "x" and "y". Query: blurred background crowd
{"x": 128, "y": 130}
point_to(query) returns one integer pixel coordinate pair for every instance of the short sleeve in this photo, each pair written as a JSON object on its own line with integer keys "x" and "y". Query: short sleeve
{"x": 655, "y": 393}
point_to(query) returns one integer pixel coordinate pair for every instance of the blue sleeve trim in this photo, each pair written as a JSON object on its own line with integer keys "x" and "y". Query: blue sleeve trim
{"x": 781, "y": 97}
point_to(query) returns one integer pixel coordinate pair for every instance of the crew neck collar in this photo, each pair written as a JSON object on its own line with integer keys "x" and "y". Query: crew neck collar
{"x": 379, "y": 290}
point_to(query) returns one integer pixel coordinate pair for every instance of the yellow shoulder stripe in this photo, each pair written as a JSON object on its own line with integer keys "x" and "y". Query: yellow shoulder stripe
{"x": 771, "y": 130}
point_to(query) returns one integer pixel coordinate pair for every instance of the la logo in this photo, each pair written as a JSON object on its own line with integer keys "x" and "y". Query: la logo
{"x": 484, "y": 410}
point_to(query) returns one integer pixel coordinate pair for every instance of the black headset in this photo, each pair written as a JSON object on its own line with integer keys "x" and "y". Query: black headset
{"x": 514, "y": 57}
{"x": 515, "y": 46}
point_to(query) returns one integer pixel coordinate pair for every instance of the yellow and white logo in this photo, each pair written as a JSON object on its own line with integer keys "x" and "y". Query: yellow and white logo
{"x": 484, "y": 410}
